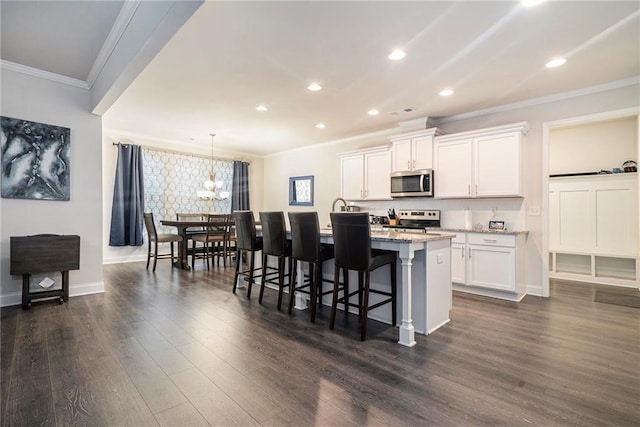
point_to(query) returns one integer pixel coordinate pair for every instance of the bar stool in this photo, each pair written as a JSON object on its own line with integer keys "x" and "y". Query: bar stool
{"x": 214, "y": 239}
{"x": 246, "y": 242}
{"x": 306, "y": 247}
{"x": 275, "y": 243}
{"x": 352, "y": 244}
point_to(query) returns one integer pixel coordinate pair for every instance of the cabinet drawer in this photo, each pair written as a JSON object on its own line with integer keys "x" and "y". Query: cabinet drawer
{"x": 492, "y": 239}
{"x": 460, "y": 237}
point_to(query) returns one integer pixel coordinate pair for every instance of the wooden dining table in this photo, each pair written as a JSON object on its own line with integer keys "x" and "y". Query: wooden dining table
{"x": 183, "y": 227}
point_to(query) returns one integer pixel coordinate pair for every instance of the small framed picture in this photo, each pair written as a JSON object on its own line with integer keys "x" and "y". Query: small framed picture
{"x": 496, "y": 225}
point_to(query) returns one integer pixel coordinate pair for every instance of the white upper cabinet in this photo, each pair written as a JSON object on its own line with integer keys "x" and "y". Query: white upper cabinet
{"x": 366, "y": 174}
{"x": 413, "y": 151}
{"x": 482, "y": 163}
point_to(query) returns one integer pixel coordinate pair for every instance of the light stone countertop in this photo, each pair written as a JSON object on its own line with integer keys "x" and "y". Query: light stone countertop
{"x": 395, "y": 236}
{"x": 484, "y": 230}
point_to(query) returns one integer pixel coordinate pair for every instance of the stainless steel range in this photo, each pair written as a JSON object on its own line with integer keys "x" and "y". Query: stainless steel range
{"x": 416, "y": 220}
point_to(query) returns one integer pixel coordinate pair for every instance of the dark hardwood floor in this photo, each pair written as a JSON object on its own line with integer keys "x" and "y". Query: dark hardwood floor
{"x": 177, "y": 348}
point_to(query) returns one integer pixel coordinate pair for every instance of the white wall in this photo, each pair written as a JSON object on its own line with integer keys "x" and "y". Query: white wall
{"x": 322, "y": 162}
{"x": 109, "y": 157}
{"x": 592, "y": 147}
{"x": 41, "y": 100}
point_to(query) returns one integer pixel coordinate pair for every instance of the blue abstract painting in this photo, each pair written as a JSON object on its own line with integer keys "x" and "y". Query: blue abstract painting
{"x": 35, "y": 160}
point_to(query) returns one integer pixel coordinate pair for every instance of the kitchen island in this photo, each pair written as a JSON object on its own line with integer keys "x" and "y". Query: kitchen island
{"x": 424, "y": 280}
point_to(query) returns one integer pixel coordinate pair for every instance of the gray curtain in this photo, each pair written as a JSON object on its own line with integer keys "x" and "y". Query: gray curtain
{"x": 128, "y": 198}
{"x": 240, "y": 186}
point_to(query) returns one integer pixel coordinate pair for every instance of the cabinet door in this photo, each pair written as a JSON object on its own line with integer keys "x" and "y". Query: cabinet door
{"x": 353, "y": 177}
{"x": 458, "y": 261}
{"x": 401, "y": 155}
{"x": 497, "y": 165}
{"x": 491, "y": 267}
{"x": 376, "y": 171}
{"x": 422, "y": 153}
{"x": 452, "y": 169}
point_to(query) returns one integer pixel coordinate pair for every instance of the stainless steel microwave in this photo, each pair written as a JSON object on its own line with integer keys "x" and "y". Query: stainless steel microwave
{"x": 412, "y": 183}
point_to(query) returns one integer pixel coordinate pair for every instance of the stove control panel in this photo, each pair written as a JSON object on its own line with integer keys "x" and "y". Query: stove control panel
{"x": 425, "y": 215}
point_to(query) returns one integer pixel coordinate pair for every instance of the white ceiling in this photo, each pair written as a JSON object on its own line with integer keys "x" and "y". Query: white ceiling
{"x": 231, "y": 56}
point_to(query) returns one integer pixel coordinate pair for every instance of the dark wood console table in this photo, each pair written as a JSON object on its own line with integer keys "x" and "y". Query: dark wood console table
{"x": 44, "y": 253}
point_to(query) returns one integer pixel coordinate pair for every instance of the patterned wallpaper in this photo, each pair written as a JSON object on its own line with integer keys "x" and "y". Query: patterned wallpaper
{"x": 171, "y": 182}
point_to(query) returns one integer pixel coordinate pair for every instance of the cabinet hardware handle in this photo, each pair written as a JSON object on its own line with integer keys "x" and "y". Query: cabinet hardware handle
{"x": 469, "y": 189}
{"x": 463, "y": 252}
{"x": 408, "y": 164}
{"x": 491, "y": 240}
{"x": 476, "y": 189}
{"x": 414, "y": 164}
{"x": 469, "y": 253}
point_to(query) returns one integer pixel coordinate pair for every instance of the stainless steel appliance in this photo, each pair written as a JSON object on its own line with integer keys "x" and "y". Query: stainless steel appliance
{"x": 416, "y": 220}
{"x": 412, "y": 184}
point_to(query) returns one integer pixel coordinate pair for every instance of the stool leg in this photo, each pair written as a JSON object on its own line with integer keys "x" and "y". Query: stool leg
{"x": 334, "y": 303}
{"x": 235, "y": 277}
{"x": 345, "y": 272}
{"x": 252, "y": 263}
{"x": 155, "y": 255}
{"x": 315, "y": 280}
{"x": 149, "y": 254}
{"x": 360, "y": 286}
{"x": 280, "y": 280}
{"x": 264, "y": 269}
{"x": 171, "y": 251}
{"x": 365, "y": 307}
{"x": 292, "y": 286}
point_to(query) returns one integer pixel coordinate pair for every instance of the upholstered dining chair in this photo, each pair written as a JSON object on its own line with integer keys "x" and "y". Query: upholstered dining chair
{"x": 155, "y": 238}
{"x": 214, "y": 240}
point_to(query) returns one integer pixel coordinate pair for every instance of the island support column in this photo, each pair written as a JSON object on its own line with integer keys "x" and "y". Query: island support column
{"x": 406, "y": 333}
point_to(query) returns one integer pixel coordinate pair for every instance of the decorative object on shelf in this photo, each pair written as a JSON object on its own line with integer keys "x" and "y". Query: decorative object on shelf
{"x": 211, "y": 186}
{"x": 35, "y": 160}
{"x": 301, "y": 190}
{"x": 630, "y": 166}
{"x": 496, "y": 225}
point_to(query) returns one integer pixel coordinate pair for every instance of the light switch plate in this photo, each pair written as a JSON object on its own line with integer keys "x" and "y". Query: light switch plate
{"x": 440, "y": 258}
{"x": 534, "y": 211}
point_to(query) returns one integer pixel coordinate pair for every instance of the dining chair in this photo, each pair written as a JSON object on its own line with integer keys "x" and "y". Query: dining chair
{"x": 155, "y": 238}
{"x": 306, "y": 247}
{"x": 352, "y": 245}
{"x": 275, "y": 244}
{"x": 247, "y": 243}
{"x": 213, "y": 239}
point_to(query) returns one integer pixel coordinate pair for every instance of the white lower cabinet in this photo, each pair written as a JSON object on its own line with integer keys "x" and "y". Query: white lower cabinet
{"x": 489, "y": 264}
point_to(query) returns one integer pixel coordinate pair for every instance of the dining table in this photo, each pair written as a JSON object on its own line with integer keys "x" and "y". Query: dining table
{"x": 183, "y": 228}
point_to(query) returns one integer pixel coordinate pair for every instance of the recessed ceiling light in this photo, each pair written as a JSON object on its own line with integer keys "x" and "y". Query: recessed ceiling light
{"x": 314, "y": 87}
{"x": 320, "y": 126}
{"x": 261, "y": 108}
{"x": 373, "y": 112}
{"x": 397, "y": 55}
{"x": 446, "y": 92}
{"x": 531, "y": 3}
{"x": 556, "y": 62}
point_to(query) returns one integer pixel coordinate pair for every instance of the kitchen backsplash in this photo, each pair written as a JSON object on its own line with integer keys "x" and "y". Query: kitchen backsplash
{"x": 453, "y": 211}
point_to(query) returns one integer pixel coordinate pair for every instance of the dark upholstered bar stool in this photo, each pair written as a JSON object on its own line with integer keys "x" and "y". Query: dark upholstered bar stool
{"x": 352, "y": 244}
{"x": 246, "y": 242}
{"x": 275, "y": 243}
{"x": 214, "y": 239}
{"x": 306, "y": 247}
{"x": 156, "y": 238}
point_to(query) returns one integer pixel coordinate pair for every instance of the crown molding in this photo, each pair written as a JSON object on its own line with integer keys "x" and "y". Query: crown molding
{"x": 120, "y": 25}
{"x": 542, "y": 100}
{"x": 35, "y": 72}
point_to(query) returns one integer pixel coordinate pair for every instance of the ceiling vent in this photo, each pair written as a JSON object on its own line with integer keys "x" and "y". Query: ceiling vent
{"x": 403, "y": 111}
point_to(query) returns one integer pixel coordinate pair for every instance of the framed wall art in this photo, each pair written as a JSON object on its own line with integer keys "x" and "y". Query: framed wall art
{"x": 35, "y": 160}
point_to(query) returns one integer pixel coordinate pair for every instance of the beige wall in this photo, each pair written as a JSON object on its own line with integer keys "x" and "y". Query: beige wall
{"x": 593, "y": 147}
{"x": 41, "y": 100}
{"x": 322, "y": 161}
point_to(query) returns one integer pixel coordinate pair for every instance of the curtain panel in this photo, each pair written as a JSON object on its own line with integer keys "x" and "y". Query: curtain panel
{"x": 128, "y": 198}
{"x": 240, "y": 189}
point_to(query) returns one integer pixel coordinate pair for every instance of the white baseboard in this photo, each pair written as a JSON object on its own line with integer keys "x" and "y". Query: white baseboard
{"x": 535, "y": 290}
{"x": 123, "y": 259}
{"x": 15, "y": 298}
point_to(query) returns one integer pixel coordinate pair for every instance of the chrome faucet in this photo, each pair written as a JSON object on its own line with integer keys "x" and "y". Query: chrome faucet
{"x": 339, "y": 199}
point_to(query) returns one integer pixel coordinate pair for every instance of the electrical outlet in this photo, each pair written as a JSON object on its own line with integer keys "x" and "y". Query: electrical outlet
{"x": 534, "y": 211}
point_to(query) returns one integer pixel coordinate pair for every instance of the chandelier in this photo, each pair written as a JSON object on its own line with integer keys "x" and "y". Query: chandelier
{"x": 212, "y": 187}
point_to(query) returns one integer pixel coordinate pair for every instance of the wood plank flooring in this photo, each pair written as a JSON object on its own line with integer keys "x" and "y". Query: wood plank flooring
{"x": 177, "y": 348}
